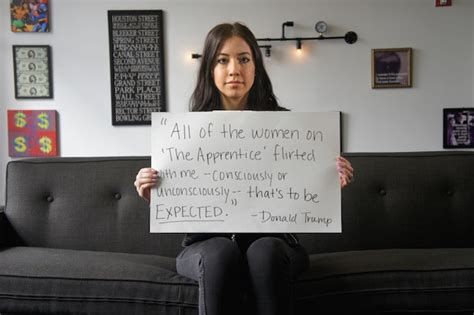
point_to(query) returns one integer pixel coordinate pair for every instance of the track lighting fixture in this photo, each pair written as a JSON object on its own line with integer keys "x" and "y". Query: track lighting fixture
{"x": 287, "y": 23}
{"x": 268, "y": 53}
{"x": 298, "y": 46}
{"x": 321, "y": 27}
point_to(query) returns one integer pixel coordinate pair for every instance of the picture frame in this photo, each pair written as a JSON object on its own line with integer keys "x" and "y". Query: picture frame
{"x": 458, "y": 128}
{"x": 32, "y": 70}
{"x": 136, "y": 65}
{"x": 32, "y": 133}
{"x": 391, "y": 68}
{"x": 29, "y": 16}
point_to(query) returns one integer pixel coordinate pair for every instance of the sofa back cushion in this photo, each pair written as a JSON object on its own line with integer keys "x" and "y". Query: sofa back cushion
{"x": 398, "y": 200}
{"x": 404, "y": 200}
{"x": 81, "y": 203}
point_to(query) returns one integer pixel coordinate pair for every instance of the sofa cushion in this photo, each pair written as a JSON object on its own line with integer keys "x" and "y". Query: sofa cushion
{"x": 58, "y": 280}
{"x": 3, "y": 227}
{"x": 388, "y": 280}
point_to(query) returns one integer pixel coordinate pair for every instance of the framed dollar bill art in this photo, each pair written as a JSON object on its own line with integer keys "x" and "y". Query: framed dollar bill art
{"x": 32, "y": 68}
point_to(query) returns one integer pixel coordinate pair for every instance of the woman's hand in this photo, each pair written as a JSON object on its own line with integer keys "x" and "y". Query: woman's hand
{"x": 346, "y": 172}
{"x": 145, "y": 180}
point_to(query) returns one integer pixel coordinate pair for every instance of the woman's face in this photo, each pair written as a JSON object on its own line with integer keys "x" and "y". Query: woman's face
{"x": 234, "y": 73}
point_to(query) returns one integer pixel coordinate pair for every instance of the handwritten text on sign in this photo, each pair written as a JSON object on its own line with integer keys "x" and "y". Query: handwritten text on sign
{"x": 246, "y": 172}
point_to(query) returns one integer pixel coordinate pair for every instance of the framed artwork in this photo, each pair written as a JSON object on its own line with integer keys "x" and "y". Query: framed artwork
{"x": 458, "y": 128}
{"x": 391, "y": 68}
{"x": 32, "y": 68}
{"x": 32, "y": 133}
{"x": 136, "y": 65}
{"x": 29, "y": 15}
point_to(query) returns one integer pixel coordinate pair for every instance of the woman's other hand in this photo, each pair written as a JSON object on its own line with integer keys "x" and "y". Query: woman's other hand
{"x": 345, "y": 170}
{"x": 145, "y": 180}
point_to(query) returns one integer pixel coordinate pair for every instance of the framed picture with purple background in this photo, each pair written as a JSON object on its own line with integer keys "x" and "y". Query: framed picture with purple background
{"x": 458, "y": 128}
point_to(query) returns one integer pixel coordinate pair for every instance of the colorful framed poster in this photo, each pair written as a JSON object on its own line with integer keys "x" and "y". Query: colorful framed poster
{"x": 32, "y": 69}
{"x": 29, "y": 15}
{"x": 391, "y": 68}
{"x": 32, "y": 133}
{"x": 136, "y": 65}
{"x": 458, "y": 128}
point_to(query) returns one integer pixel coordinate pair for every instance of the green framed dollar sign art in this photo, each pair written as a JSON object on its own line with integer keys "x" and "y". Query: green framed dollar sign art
{"x": 32, "y": 69}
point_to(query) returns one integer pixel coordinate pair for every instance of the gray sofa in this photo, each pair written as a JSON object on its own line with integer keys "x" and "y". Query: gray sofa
{"x": 74, "y": 239}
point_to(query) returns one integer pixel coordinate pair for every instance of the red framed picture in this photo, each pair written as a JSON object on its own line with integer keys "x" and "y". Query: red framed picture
{"x": 32, "y": 133}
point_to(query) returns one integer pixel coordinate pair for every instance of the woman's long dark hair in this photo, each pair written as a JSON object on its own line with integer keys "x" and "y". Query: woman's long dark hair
{"x": 206, "y": 96}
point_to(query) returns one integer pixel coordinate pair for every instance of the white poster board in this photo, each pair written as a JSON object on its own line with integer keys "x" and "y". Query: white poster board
{"x": 227, "y": 171}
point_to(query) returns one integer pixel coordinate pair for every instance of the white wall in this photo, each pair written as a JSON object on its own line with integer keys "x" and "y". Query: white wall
{"x": 329, "y": 75}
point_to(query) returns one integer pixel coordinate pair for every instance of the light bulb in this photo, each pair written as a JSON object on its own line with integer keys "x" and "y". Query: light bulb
{"x": 298, "y": 47}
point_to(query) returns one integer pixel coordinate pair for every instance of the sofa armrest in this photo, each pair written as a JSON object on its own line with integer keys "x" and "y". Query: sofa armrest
{"x": 3, "y": 226}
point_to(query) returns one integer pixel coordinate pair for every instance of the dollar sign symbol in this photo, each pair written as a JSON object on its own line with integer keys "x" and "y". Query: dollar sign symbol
{"x": 43, "y": 121}
{"x": 20, "y": 144}
{"x": 20, "y": 119}
{"x": 45, "y": 145}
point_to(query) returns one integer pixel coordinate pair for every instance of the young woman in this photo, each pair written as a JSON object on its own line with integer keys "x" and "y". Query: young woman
{"x": 232, "y": 77}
